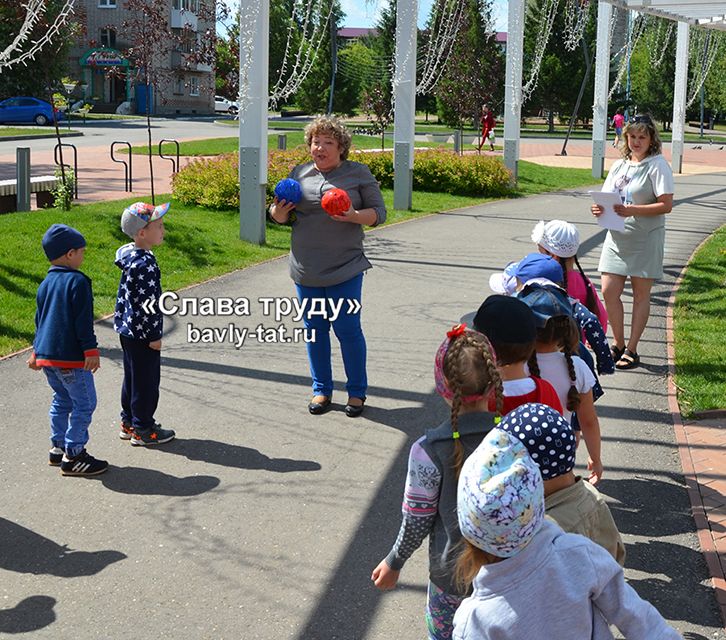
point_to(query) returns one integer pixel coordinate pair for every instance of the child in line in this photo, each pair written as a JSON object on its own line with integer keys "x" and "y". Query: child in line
{"x": 576, "y": 506}
{"x": 531, "y": 579}
{"x": 557, "y": 342}
{"x": 139, "y": 324}
{"x": 561, "y": 240}
{"x": 509, "y": 325}
{"x": 466, "y": 375}
{"x": 65, "y": 348}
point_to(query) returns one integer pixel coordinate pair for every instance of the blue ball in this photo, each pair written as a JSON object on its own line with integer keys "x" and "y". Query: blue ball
{"x": 289, "y": 190}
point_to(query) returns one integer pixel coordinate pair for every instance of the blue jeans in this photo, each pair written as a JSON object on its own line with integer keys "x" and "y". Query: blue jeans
{"x": 350, "y": 335}
{"x": 71, "y": 410}
{"x": 140, "y": 389}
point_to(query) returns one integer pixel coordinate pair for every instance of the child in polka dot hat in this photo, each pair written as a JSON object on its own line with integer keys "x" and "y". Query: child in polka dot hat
{"x": 575, "y": 504}
{"x": 529, "y": 578}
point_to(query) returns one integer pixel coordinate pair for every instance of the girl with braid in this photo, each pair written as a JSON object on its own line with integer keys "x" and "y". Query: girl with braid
{"x": 561, "y": 240}
{"x": 466, "y": 376}
{"x": 554, "y": 360}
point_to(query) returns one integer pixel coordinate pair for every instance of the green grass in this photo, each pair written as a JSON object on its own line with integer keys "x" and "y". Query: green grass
{"x": 699, "y": 326}
{"x": 47, "y": 132}
{"x": 535, "y": 178}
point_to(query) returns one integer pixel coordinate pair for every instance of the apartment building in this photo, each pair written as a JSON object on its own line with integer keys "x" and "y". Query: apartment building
{"x": 108, "y": 78}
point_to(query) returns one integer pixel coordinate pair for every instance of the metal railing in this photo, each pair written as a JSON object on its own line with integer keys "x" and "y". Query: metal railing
{"x": 128, "y": 176}
{"x": 174, "y": 163}
{"x": 56, "y": 149}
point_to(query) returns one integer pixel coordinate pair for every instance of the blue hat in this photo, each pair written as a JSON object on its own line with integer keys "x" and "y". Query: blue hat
{"x": 547, "y": 436}
{"x": 534, "y": 265}
{"x": 546, "y": 301}
{"x": 59, "y": 239}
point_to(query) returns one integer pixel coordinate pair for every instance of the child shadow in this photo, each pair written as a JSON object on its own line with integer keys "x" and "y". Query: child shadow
{"x": 150, "y": 482}
{"x": 31, "y": 614}
{"x": 235, "y": 456}
{"x": 25, "y": 551}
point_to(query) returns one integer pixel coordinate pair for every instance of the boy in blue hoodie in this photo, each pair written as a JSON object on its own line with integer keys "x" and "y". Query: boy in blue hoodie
{"x": 65, "y": 348}
{"x": 139, "y": 323}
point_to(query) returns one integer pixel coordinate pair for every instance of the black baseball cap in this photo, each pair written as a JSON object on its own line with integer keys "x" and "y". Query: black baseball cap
{"x": 505, "y": 319}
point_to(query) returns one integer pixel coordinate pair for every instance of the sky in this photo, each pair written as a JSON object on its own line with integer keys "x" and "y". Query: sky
{"x": 363, "y": 13}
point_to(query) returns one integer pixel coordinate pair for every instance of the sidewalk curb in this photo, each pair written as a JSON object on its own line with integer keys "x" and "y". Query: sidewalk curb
{"x": 698, "y": 508}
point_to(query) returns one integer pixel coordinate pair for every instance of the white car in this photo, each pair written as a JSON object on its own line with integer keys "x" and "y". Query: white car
{"x": 222, "y": 105}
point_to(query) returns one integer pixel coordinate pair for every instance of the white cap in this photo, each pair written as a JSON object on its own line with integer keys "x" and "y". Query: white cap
{"x": 558, "y": 237}
{"x": 505, "y": 282}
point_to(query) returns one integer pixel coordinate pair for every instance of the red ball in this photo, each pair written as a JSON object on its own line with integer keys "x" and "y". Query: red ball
{"x": 335, "y": 202}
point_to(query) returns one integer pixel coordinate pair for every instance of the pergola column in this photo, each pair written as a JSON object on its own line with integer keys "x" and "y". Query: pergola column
{"x": 602, "y": 87}
{"x": 679, "y": 98}
{"x": 404, "y": 96}
{"x": 513, "y": 84}
{"x": 253, "y": 118}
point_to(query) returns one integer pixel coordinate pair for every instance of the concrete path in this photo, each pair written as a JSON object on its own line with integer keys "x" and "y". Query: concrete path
{"x": 263, "y": 522}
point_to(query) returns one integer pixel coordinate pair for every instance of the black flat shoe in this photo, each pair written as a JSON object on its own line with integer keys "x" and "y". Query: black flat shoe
{"x": 629, "y": 360}
{"x": 316, "y": 408}
{"x": 353, "y": 411}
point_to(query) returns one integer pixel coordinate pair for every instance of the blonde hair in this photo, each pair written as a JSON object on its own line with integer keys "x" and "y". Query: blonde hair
{"x": 469, "y": 561}
{"x": 333, "y": 127}
{"x": 643, "y": 126}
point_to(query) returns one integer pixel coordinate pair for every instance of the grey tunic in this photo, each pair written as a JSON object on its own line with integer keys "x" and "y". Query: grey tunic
{"x": 638, "y": 250}
{"x": 324, "y": 252}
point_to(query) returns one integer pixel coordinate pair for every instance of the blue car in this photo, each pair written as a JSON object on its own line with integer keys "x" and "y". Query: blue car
{"x": 28, "y": 110}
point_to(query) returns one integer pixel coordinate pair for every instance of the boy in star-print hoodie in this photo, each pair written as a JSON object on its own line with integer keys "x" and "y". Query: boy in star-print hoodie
{"x": 139, "y": 323}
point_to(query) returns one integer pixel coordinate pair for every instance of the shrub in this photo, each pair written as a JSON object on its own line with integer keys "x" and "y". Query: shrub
{"x": 214, "y": 182}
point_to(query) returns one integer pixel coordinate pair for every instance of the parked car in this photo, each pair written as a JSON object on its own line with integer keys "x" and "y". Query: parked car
{"x": 23, "y": 109}
{"x": 222, "y": 105}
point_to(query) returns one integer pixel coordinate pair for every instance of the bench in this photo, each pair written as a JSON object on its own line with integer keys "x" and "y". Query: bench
{"x": 41, "y": 186}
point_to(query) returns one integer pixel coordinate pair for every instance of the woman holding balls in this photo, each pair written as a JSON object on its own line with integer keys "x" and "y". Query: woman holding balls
{"x": 326, "y": 254}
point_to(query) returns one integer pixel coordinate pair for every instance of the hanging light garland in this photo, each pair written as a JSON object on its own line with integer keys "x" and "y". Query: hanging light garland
{"x": 626, "y": 51}
{"x": 576, "y": 16}
{"x": 546, "y": 23}
{"x": 659, "y": 45}
{"x": 704, "y": 49}
{"x": 400, "y": 65}
{"x": 34, "y": 10}
{"x": 446, "y": 21}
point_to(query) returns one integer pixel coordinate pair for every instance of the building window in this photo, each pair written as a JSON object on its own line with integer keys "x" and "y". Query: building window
{"x": 184, "y": 40}
{"x": 108, "y": 38}
{"x": 186, "y": 5}
{"x": 179, "y": 86}
{"x": 193, "y": 86}
{"x": 106, "y": 4}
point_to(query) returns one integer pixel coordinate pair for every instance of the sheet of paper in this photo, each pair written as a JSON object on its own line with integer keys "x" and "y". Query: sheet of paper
{"x": 609, "y": 219}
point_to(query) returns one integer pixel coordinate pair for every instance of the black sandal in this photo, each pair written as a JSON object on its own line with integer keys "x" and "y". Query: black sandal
{"x": 617, "y": 352}
{"x": 628, "y": 360}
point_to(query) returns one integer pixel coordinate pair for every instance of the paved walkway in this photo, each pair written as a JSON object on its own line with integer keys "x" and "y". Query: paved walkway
{"x": 261, "y": 521}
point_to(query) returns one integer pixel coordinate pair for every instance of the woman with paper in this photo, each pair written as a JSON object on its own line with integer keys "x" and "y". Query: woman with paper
{"x": 643, "y": 181}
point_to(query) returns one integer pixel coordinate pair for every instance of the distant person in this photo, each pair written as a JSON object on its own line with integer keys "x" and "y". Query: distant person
{"x": 466, "y": 376}
{"x": 65, "y": 348}
{"x": 140, "y": 325}
{"x": 644, "y": 180}
{"x": 530, "y": 578}
{"x": 327, "y": 261}
{"x": 618, "y": 124}
{"x": 487, "y": 123}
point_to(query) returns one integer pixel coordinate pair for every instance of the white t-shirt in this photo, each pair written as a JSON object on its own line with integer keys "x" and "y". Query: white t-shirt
{"x": 520, "y": 387}
{"x": 553, "y": 368}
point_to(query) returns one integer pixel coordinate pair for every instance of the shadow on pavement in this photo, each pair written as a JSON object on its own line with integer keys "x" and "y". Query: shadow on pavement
{"x": 149, "y": 482}
{"x": 25, "y": 551}
{"x": 236, "y": 456}
{"x": 28, "y": 615}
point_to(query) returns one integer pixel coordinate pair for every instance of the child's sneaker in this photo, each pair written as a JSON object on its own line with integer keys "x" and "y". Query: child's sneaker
{"x": 55, "y": 456}
{"x": 126, "y": 431}
{"x": 83, "y": 464}
{"x": 150, "y": 437}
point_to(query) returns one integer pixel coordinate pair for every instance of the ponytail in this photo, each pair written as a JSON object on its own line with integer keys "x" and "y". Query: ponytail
{"x": 591, "y": 297}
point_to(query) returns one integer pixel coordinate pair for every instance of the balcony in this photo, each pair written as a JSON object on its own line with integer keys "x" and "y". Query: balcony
{"x": 181, "y": 19}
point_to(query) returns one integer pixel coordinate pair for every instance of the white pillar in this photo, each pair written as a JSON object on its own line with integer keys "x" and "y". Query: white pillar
{"x": 513, "y": 84}
{"x": 404, "y": 96}
{"x": 253, "y": 54}
{"x": 679, "y": 97}
{"x": 602, "y": 87}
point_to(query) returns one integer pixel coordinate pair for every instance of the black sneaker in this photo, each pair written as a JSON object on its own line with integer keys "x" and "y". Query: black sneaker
{"x": 83, "y": 464}
{"x": 150, "y": 437}
{"x": 55, "y": 456}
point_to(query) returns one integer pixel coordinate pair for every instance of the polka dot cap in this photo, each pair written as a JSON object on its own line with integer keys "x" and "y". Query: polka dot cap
{"x": 547, "y": 436}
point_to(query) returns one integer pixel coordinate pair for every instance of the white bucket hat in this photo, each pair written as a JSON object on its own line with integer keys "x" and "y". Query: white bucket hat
{"x": 558, "y": 237}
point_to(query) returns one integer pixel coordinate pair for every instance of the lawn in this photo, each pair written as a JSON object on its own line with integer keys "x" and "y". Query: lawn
{"x": 14, "y": 132}
{"x": 200, "y": 244}
{"x": 699, "y": 320}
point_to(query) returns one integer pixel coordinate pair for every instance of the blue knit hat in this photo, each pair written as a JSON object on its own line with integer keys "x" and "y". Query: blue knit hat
{"x": 500, "y": 502}
{"x": 547, "y": 436}
{"x": 59, "y": 239}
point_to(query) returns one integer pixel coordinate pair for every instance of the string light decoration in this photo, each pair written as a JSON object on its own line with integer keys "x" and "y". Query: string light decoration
{"x": 446, "y": 18}
{"x": 639, "y": 25}
{"x": 659, "y": 43}
{"x": 247, "y": 32}
{"x": 399, "y": 66}
{"x": 312, "y": 32}
{"x": 34, "y": 10}
{"x": 704, "y": 48}
{"x": 577, "y": 13}
{"x": 546, "y": 23}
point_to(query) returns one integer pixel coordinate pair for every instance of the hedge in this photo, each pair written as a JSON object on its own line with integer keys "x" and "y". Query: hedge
{"x": 214, "y": 182}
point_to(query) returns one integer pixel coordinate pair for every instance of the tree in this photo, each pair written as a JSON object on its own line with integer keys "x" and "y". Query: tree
{"x": 377, "y": 106}
{"x": 51, "y": 62}
{"x": 359, "y": 69}
{"x": 474, "y": 72}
